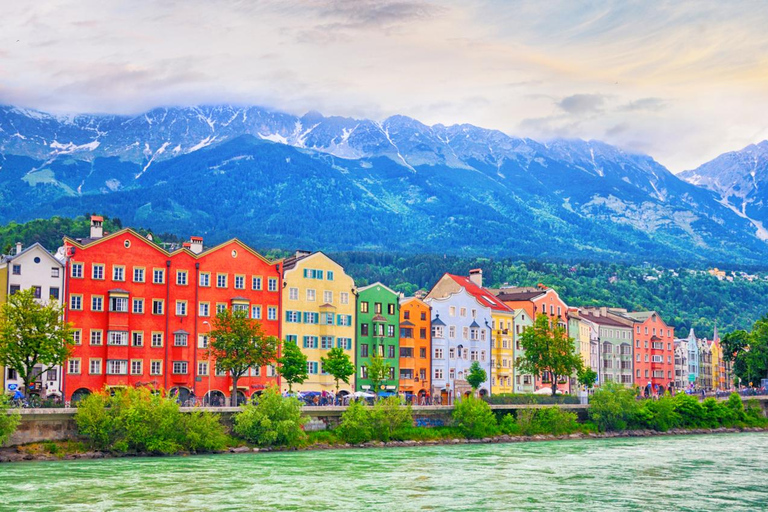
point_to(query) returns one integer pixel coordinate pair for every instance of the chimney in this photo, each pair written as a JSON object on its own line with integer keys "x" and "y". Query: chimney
{"x": 476, "y": 276}
{"x": 300, "y": 253}
{"x": 97, "y": 226}
{"x": 196, "y": 244}
{"x": 18, "y": 247}
{"x": 604, "y": 311}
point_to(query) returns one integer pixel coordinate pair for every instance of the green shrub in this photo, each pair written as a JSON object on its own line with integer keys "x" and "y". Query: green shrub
{"x": 274, "y": 421}
{"x": 203, "y": 432}
{"x": 690, "y": 411}
{"x": 509, "y": 426}
{"x": 8, "y": 421}
{"x": 556, "y": 421}
{"x": 736, "y": 406}
{"x": 754, "y": 414}
{"x": 526, "y": 421}
{"x": 139, "y": 420}
{"x": 613, "y": 407}
{"x": 530, "y": 398}
{"x": 322, "y": 437}
{"x": 388, "y": 415}
{"x": 475, "y": 418}
{"x": 663, "y": 414}
{"x": 355, "y": 426}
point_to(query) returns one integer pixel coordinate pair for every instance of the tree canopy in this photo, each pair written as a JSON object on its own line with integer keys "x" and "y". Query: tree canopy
{"x": 292, "y": 365}
{"x": 338, "y": 365}
{"x": 748, "y": 352}
{"x": 476, "y": 375}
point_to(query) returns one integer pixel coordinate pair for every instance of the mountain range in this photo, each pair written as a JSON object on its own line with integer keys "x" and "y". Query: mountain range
{"x": 335, "y": 183}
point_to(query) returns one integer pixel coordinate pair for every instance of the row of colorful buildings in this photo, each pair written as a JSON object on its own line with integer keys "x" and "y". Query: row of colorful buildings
{"x": 143, "y": 314}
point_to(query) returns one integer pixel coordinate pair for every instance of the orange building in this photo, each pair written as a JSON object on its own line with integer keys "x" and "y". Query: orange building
{"x": 654, "y": 351}
{"x": 415, "y": 347}
{"x": 142, "y": 314}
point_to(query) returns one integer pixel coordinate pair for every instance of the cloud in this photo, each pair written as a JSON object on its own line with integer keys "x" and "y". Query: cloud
{"x": 580, "y": 104}
{"x": 647, "y": 104}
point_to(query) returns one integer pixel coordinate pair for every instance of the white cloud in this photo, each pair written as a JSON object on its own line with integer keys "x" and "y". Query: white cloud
{"x": 681, "y": 81}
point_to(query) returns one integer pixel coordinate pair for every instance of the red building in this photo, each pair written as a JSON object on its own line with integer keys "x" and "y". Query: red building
{"x": 654, "y": 351}
{"x": 142, "y": 314}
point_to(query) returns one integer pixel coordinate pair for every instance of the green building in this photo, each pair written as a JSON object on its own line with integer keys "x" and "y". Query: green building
{"x": 378, "y": 329}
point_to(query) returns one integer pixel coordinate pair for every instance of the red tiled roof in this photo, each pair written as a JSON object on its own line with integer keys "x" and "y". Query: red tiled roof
{"x": 483, "y": 296}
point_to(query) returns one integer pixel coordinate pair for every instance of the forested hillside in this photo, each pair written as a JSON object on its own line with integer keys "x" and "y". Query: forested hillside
{"x": 684, "y": 297}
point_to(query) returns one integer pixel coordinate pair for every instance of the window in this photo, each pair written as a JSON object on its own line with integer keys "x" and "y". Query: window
{"x": 138, "y": 306}
{"x": 73, "y": 366}
{"x": 119, "y": 338}
{"x": 256, "y": 312}
{"x": 181, "y": 308}
{"x": 51, "y": 374}
{"x": 181, "y": 277}
{"x": 202, "y": 341}
{"x": 293, "y": 293}
{"x": 97, "y": 303}
{"x": 77, "y": 336}
{"x": 364, "y": 307}
{"x": 463, "y": 312}
{"x": 155, "y": 367}
{"x": 311, "y": 318}
{"x": 363, "y": 350}
{"x": 272, "y": 313}
{"x": 118, "y": 304}
{"x": 97, "y": 271}
{"x": 391, "y": 309}
{"x": 310, "y": 341}
{"x": 239, "y": 282}
{"x": 158, "y": 276}
{"x": 438, "y": 353}
{"x": 326, "y": 318}
{"x": 310, "y": 295}
{"x": 204, "y": 309}
{"x": 179, "y": 367}
{"x": 364, "y": 329}
{"x": 118, "y": 273}
{"x": 220, "y": 306}
{"x": 53, "y": 294}
{"x": 138, "y": 274}
{"x": 202, "y": 368}
{"x": 329, "y": 275}
{"x": 272, "y": 284}
{"x": 437, "y": 331}
{"x": 327, "y": 297}
{"x": 344, "y": 320}
{"x": 94, "y": 367}
{"x": 391, "y": 351}
{"x": 137, "y": 338}
{"x": 117, "y": 367}
{"x": 326, "y": 342}
{"x": 205, "y": 279}
{"x": 180, "y": 339}
{"x": 157, "y": 339}
{"x": 221, "y": 280}
{"x": 344, "y": 297}
{"x": 391, "y": 331}
{"x": 406, "y": 315}
{"x": 452, "y": 311}
{"x": 406, "y": 332}
{"x": 157, "y": 306}
{"x": 293, "y": 317}
{"x": 37, "y": 292}
{"x": 438, "y": 373}
{"x": 344, "y": 343}
{"x": 377, "y": 308}
{"x": 256, "y": 282}
{"x": 96, "y": 337}
{"x": 137, "y": 367}
{"x": 76, "y": 272}
{"x": 423, "y": 353}
{"x": 363, "y": 372}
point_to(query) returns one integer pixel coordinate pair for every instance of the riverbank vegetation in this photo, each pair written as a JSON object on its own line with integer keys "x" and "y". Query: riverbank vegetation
{"x": 9, "y": 420}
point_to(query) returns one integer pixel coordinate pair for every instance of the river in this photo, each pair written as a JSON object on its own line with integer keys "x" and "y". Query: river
{"x": 717, "y": 472}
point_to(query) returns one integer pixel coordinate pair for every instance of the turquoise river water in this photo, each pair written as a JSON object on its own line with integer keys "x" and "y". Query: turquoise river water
{"x": 717, "y": 472}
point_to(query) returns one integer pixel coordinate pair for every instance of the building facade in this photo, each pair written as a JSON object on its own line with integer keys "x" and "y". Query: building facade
{"x": 378, "y": 330}
{"x": 143, "y": 315}
{"x": 579, "y": 330}
{"x": 524, "y": 382}
{"x": 415, "y": 348}
{"x": 681, "y": 365}
{"x": 318, "y": 314}
{"x": 705, "y": 365}
{"x": 614, "y": 342}
{"x": 36, "y": 269}
{"x": 654, "y": 351}
{"x": 461, "y": 335}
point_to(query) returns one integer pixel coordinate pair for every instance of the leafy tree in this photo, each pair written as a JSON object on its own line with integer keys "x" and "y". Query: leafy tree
{"x": 587, "y": 377}
{"x": 8, "y": 421}
{"x": 388, "y": 416}
{"x": 239, "y": 343}
{"x": 274, "y": 421}
{"x": 378, "y": 370}
{"x": 338, "y": 365}
{"x": 548, "y": 349}
{"x": 355, "y": 426}
{"x": 476, "y": 376}
{"x": 749, "y": 352}
{"x": 33, "y": 334}
{"x": 292, "y": 365}
{"x": 613, "y": 407}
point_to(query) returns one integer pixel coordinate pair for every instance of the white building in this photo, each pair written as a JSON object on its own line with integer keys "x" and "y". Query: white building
{"x": 37, "y": 269}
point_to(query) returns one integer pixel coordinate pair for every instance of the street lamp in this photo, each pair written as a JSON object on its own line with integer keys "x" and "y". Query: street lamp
{"x": 210, "y": 395}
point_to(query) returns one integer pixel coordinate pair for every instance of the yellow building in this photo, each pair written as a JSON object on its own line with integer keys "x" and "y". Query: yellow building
{"x": 319, "y": 307}
{"x": 502, "y": 351}
{"x": 716, "y": 356}
{"x": 578, "y": 329}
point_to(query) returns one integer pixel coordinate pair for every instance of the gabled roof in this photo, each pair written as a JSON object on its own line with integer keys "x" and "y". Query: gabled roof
{"x": 437, "y": 322}
{"x": 291, "y": 261}
{"x": 406, "y": 323}
{"x": 520, "y": 293}
{"x": 483, "y": 295}
{"x": 603, "y": 320}
{"x": 474, "y": 324}
{"x": 36, "y": 245}
{"x": 378, "y": 283}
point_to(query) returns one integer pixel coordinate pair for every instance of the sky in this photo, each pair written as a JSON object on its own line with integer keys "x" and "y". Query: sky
{"x": 680, "y": 81}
